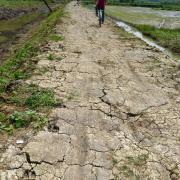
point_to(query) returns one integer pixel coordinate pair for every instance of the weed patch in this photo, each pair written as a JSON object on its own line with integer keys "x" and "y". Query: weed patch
{"x": 137, "y": 161}
{"x": 21, "y": 119}
{"x": 43, "y": 98}
{"x": 51, "y": 57}
{"x": 56, "y": 38}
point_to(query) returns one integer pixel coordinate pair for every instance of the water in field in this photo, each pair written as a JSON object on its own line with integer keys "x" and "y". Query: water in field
{"x": 149, "y": 16}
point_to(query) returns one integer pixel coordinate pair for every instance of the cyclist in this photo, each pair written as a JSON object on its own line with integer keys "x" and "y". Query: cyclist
{"x": 100, "y": 5}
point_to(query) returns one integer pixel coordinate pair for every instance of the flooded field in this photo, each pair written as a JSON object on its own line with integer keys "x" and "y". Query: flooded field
{"x": 148, "y": 16}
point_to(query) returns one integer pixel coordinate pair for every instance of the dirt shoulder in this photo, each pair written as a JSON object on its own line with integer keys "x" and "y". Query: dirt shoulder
{"x": 120, "y": 113}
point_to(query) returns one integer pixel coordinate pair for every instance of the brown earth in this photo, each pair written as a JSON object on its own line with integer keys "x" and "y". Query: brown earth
{"x": 120, "y": 118}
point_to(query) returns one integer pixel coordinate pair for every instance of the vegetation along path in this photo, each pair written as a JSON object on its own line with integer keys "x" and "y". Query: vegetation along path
{"x": 120, "y": 112}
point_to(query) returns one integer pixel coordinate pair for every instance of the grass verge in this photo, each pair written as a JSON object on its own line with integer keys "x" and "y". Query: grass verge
{"x": 168, "y": 38}
{"x": 21, "y": 104}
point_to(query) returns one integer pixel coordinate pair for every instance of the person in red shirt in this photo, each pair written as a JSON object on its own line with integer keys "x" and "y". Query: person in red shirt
{"x": 100, "y": 4}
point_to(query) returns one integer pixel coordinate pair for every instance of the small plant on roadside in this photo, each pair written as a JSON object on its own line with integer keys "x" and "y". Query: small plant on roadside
{"x": 22, "y": 119}
{"x": 51, "y": 57}
{"x": 40, "y": 122}
{"x": 127, "y": 172}
{"x": 114, "y": 161}
{"x": 137, "y": 161}
{"x": 56, "y": 38}
{"x": 42, "y": 98}
{"x": 3, "y": 124}
{"x": 2, "y": 117}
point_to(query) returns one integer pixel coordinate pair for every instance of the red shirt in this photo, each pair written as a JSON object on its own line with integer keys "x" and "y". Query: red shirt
{"x": 101, "y": 4}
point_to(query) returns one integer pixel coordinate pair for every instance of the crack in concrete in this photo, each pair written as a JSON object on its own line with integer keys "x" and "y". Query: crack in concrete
{"x": 98, "y": 132}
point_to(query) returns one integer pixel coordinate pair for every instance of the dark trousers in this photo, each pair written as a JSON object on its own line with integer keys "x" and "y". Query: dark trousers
{"x": 96, "y": 9}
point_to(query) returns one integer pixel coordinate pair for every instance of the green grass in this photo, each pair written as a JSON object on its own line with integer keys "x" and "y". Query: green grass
{"x": 22, "y": 119}
{"x": 169, "y": 38}
{"x": 42, "y": 98}
{"x": 31, "y": 96}
{"x": 20, "y": 66}
{"x": 51, "y": 57}
{"x": 55, "y": 37}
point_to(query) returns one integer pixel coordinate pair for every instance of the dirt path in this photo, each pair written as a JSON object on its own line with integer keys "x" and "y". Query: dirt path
{"x": 120, "y": 118}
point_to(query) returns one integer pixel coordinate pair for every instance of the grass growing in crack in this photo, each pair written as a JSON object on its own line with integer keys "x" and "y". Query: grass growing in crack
{"x": 127, "y": 172}
{"x": 51, "y": 57}
{"x": 114, "y": 161}
{"x": 129, "y": 169}
{"x": 137, "y": 161}
{"x": 56, "y": 38}
{"x": 42, "y": 71}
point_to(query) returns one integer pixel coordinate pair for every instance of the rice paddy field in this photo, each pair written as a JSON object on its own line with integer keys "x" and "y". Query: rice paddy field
{"x": 160, "y": 25}
{"x": 146, "y": 16}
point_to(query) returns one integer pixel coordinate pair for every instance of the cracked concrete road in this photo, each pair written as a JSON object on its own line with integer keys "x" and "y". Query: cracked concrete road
{"x": 120, "y": 118}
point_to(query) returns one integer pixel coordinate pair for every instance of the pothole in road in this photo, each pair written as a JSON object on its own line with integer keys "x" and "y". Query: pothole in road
{"x": 52, "y": 127}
